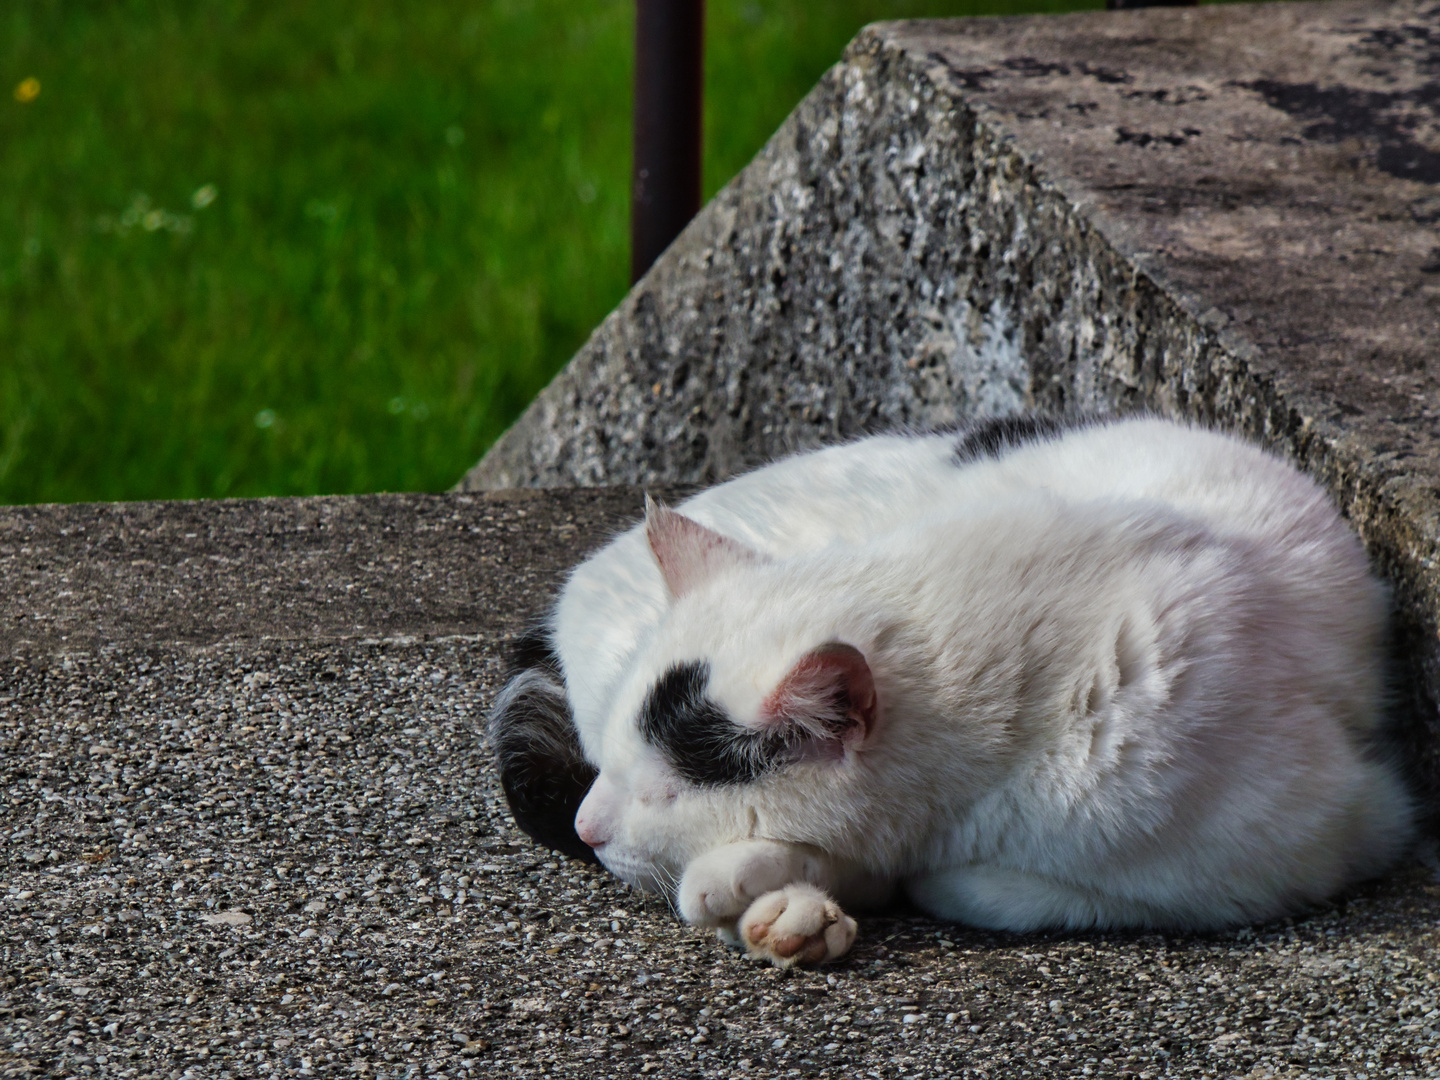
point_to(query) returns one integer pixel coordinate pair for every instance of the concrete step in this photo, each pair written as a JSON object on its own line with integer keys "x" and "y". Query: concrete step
{"x": 1224, "y": 213}
{"x": 249, "y": 821}
{"x": 372, "y": 567}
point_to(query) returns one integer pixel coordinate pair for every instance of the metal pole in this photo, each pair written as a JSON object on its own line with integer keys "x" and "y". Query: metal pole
{"x": 669, "y": 86}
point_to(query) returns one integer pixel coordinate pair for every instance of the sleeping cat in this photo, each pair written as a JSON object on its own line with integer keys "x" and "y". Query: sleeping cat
{"x": 1126, "y": 674}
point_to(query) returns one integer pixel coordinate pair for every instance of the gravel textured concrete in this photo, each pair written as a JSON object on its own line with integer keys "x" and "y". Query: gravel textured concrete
{"x": 1227, "y": 213}
{"x": 250, "y": 828}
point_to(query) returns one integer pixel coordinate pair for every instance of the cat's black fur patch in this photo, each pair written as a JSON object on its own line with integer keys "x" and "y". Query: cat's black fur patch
{"x": 543, "y": 772}
{"x": 994, "y": 437}
{"x": 704, "y": 745}
{"x": 533, "y": 649}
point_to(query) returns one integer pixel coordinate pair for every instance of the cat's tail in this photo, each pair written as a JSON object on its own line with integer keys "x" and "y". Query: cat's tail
{"x": 537, "y": 751}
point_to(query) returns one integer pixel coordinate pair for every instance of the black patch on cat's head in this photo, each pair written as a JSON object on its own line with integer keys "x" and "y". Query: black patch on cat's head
{"x": 998, "y": 436}
{"x": 699, "y": 740}
{"x": 543, "y": 772}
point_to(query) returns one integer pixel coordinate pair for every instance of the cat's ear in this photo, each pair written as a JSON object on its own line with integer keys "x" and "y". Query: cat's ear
{"x": 688, "y": 552}
{"x": 829, "y": 695}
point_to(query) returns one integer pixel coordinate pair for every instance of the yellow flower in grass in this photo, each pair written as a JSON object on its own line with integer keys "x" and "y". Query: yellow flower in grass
{"x": 27, "y": 91}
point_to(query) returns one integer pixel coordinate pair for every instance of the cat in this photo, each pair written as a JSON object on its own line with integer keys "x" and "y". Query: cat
{"x": 1038, "y": 676}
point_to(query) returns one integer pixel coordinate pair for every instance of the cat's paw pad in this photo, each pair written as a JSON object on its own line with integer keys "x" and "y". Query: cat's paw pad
{"x": 798, "y": 924}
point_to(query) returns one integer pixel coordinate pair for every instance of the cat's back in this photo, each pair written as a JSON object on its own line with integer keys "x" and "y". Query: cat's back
{"x": 857, "y": 491}
{"x": 860, "y": 491}
{"x": 1220, "y": 480}
{"x": 846, "y": 494}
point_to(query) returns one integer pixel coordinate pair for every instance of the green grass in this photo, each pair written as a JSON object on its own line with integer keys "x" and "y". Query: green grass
{"x": 419, "y": 212}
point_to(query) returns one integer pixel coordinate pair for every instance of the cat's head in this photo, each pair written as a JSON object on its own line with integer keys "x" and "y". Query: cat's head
{"x": 738, "y": 717}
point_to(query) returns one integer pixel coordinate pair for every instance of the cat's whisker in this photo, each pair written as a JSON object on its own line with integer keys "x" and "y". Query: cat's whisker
{"x": 669, "y": 882}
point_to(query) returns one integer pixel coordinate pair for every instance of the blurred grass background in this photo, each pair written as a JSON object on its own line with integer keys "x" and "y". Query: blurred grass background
{"x": 265, "y": 248}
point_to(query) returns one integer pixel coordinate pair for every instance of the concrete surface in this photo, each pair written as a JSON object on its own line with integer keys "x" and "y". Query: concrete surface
{"x": 249, "y": 824}
{"x": 1227, "y": 213}
{"x": 248, "y": 827}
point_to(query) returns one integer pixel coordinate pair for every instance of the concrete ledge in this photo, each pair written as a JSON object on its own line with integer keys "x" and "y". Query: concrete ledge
{"x": 403, "y": 567}
{"x": 248, "y": 826}
{"x": 1226, "y": 213}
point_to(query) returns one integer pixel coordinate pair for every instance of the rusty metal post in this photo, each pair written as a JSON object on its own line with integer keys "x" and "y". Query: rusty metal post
{"x": 669, "y": 87}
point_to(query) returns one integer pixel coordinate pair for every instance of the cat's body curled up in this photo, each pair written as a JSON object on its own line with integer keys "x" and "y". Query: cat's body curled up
{"x": 1123, "y": 674}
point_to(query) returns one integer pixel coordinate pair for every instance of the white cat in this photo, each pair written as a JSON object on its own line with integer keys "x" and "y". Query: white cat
{"x": 1125, "y": 674}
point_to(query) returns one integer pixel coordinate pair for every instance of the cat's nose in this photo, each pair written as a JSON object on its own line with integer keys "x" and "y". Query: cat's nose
{"x": 590, "y": 831}
{"x": 595, "y": 820}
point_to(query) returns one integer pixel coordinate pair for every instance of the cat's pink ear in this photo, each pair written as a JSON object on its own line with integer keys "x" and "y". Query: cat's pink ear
{"x": 688, "y": 552}
{"x": 830, "y": 693}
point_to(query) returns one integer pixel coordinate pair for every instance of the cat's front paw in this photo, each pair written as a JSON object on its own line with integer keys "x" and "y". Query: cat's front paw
{"x": 719, "y": 886}
{"x": 798, "y": 924}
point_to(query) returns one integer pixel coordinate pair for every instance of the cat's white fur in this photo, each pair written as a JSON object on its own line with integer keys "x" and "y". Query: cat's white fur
{"x": 1129, "y": 676}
